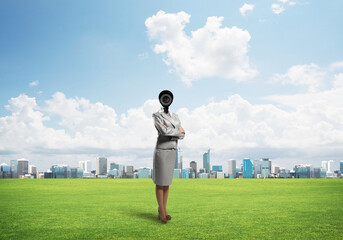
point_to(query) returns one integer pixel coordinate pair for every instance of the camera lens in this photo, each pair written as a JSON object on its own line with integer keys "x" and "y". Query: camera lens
{"x": 166, "y": 99}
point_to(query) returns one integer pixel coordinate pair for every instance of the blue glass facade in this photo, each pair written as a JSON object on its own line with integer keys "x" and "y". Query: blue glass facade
{"x": 341, "y": 166}
{"x": 265, "y": 168}
{"x": 247, "y": 168}
{"x": 206, "y": 161}
{"x": 217, "y": 168}
{"x": 177, "y": 173}
{"x": 143, "y": 173}
{"x": 257, "y": 168}
{"x": 302, "y": 171}
{"x": 185, "y": 173}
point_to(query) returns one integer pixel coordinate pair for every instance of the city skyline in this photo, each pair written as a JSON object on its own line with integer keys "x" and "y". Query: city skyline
{"x": 249, "y": 80}
{"x": 250, "y": 164}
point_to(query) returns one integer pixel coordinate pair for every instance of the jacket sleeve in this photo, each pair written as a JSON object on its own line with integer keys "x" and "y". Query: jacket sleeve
{"x": 165, "y": 130}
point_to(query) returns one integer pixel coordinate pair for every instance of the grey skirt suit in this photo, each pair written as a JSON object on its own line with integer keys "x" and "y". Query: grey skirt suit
{"x": 168, "y": 127}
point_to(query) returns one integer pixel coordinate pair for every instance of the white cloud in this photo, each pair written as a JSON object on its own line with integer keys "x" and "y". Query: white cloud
{"x": 336, "y": 66}
{"x": 281, "y": 5}
{"x": 245, "y": 8}
{"x": 277, "y": 8}
{"x": 295, "y": 127}
{"x": 309, "y": 75}
{"x": 210, "y": 51}
{"x": 34, "y": 83}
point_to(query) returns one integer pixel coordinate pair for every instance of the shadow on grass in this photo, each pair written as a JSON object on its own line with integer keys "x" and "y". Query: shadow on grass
{"x": 138, "y": 213}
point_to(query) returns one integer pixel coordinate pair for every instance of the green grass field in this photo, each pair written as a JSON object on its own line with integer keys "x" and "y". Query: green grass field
{"x": 200, "y": 209}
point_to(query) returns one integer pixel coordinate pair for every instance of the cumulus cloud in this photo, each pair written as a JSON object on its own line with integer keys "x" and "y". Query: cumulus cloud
{"x": 290, "y": 127}
{"x": 281, "y": 5}
{"x": 315, "y": 78}
{"x": 309, "y": 75}
{"x": 34, "y": 83}
{"x": 245, "y": 8}
{"x": 210, "y": 51}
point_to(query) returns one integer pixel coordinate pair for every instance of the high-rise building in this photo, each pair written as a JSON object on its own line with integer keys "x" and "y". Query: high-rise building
{"x": 330, "y": 166}
{"x": 33, "y": 170}
{"x": 14, "y": 168}
{"x": 129, "y": 169}
{"x": 23, "y": 167}
{"x": 119, "y": 167}
{"x": 231, "y": 168}
{"x": 5, "y": 171}
{"x": 303, "y": 171}
{"x": 144, "y": 172}
{"x": 177, "y": 173}
{"x": 247, "y": 168}
{"x": 185, "y": 173}
{"x": 82, "y": 165}
{"x": 257, "y": 168}
{"x": 179, "y": 159}
{"x": 206, "y": 161}
{"x": 60, "y": 171}
{"x": 88, "y": 166}
{"x": 101, "y": 166}
{"x": 275, "y": 169}
{"x": 325, "y": 165}
{"x": 193, "y": 165}
{"x": 341, "y": 167}
{"x": 265, "y": 167}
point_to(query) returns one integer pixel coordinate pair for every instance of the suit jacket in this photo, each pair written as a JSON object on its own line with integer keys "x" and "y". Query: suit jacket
{"x": 168, "y": 126}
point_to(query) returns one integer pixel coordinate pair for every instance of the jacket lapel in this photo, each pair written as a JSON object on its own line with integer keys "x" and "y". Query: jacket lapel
{"x": 170, "y": 119}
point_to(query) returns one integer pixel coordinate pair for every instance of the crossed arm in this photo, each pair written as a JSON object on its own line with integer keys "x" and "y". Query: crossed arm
{"x": 168, "y": 131}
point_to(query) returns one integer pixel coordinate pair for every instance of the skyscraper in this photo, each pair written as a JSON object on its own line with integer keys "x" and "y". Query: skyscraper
{"x": 206, "y": 161}
{"x": 88, "y": 166}
{"x": 23, "y": 167}
{"x": 247, "y": 168}
{"x": 180, "y": 159}
{"x": 257, "y": 168}
{"x": 341, "y": 166}
{"x": 33, "y": 170}
{"x": 14, "y": 168}
{"x": 265, "y": 167}
{"x": 101, "y": 166}
{"x": 82, "y": 165}
{"x": 231, "y": 168}
{"x": 325, "y": 165}
{"x": 330, "y": 166}
{"x": 330, "y": 169}
{"x": 193, "y": 165}
{"x": 129, "y": 169}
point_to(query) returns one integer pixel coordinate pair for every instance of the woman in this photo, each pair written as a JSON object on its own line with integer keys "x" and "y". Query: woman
{"x": 170, "y": 131}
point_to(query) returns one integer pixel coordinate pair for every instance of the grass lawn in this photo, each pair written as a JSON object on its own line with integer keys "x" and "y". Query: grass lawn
{"x": 200, "y": 209}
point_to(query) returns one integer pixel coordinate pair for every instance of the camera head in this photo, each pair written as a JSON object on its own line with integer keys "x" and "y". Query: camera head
{"x": 166, "y": 98}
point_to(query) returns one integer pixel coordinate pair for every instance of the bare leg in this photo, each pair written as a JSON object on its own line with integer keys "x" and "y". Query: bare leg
{"x": 159, "y": 197}
{"x": 165, "y": 197}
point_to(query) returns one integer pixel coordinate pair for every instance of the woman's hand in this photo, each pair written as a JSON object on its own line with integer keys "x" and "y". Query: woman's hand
{"x": 182, "y": 130}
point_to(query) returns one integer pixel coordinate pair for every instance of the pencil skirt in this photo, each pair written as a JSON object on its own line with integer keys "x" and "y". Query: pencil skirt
{"x": 163, "y": 166}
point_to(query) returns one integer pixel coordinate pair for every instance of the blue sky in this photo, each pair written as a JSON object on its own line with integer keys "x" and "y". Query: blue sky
{"x": 101, "y": 51}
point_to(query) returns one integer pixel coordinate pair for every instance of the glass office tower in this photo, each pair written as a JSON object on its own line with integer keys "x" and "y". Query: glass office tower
{"x": 247, "y": 168}
{"x": 265, "y": 168}
{"x": 206, "y": 161}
